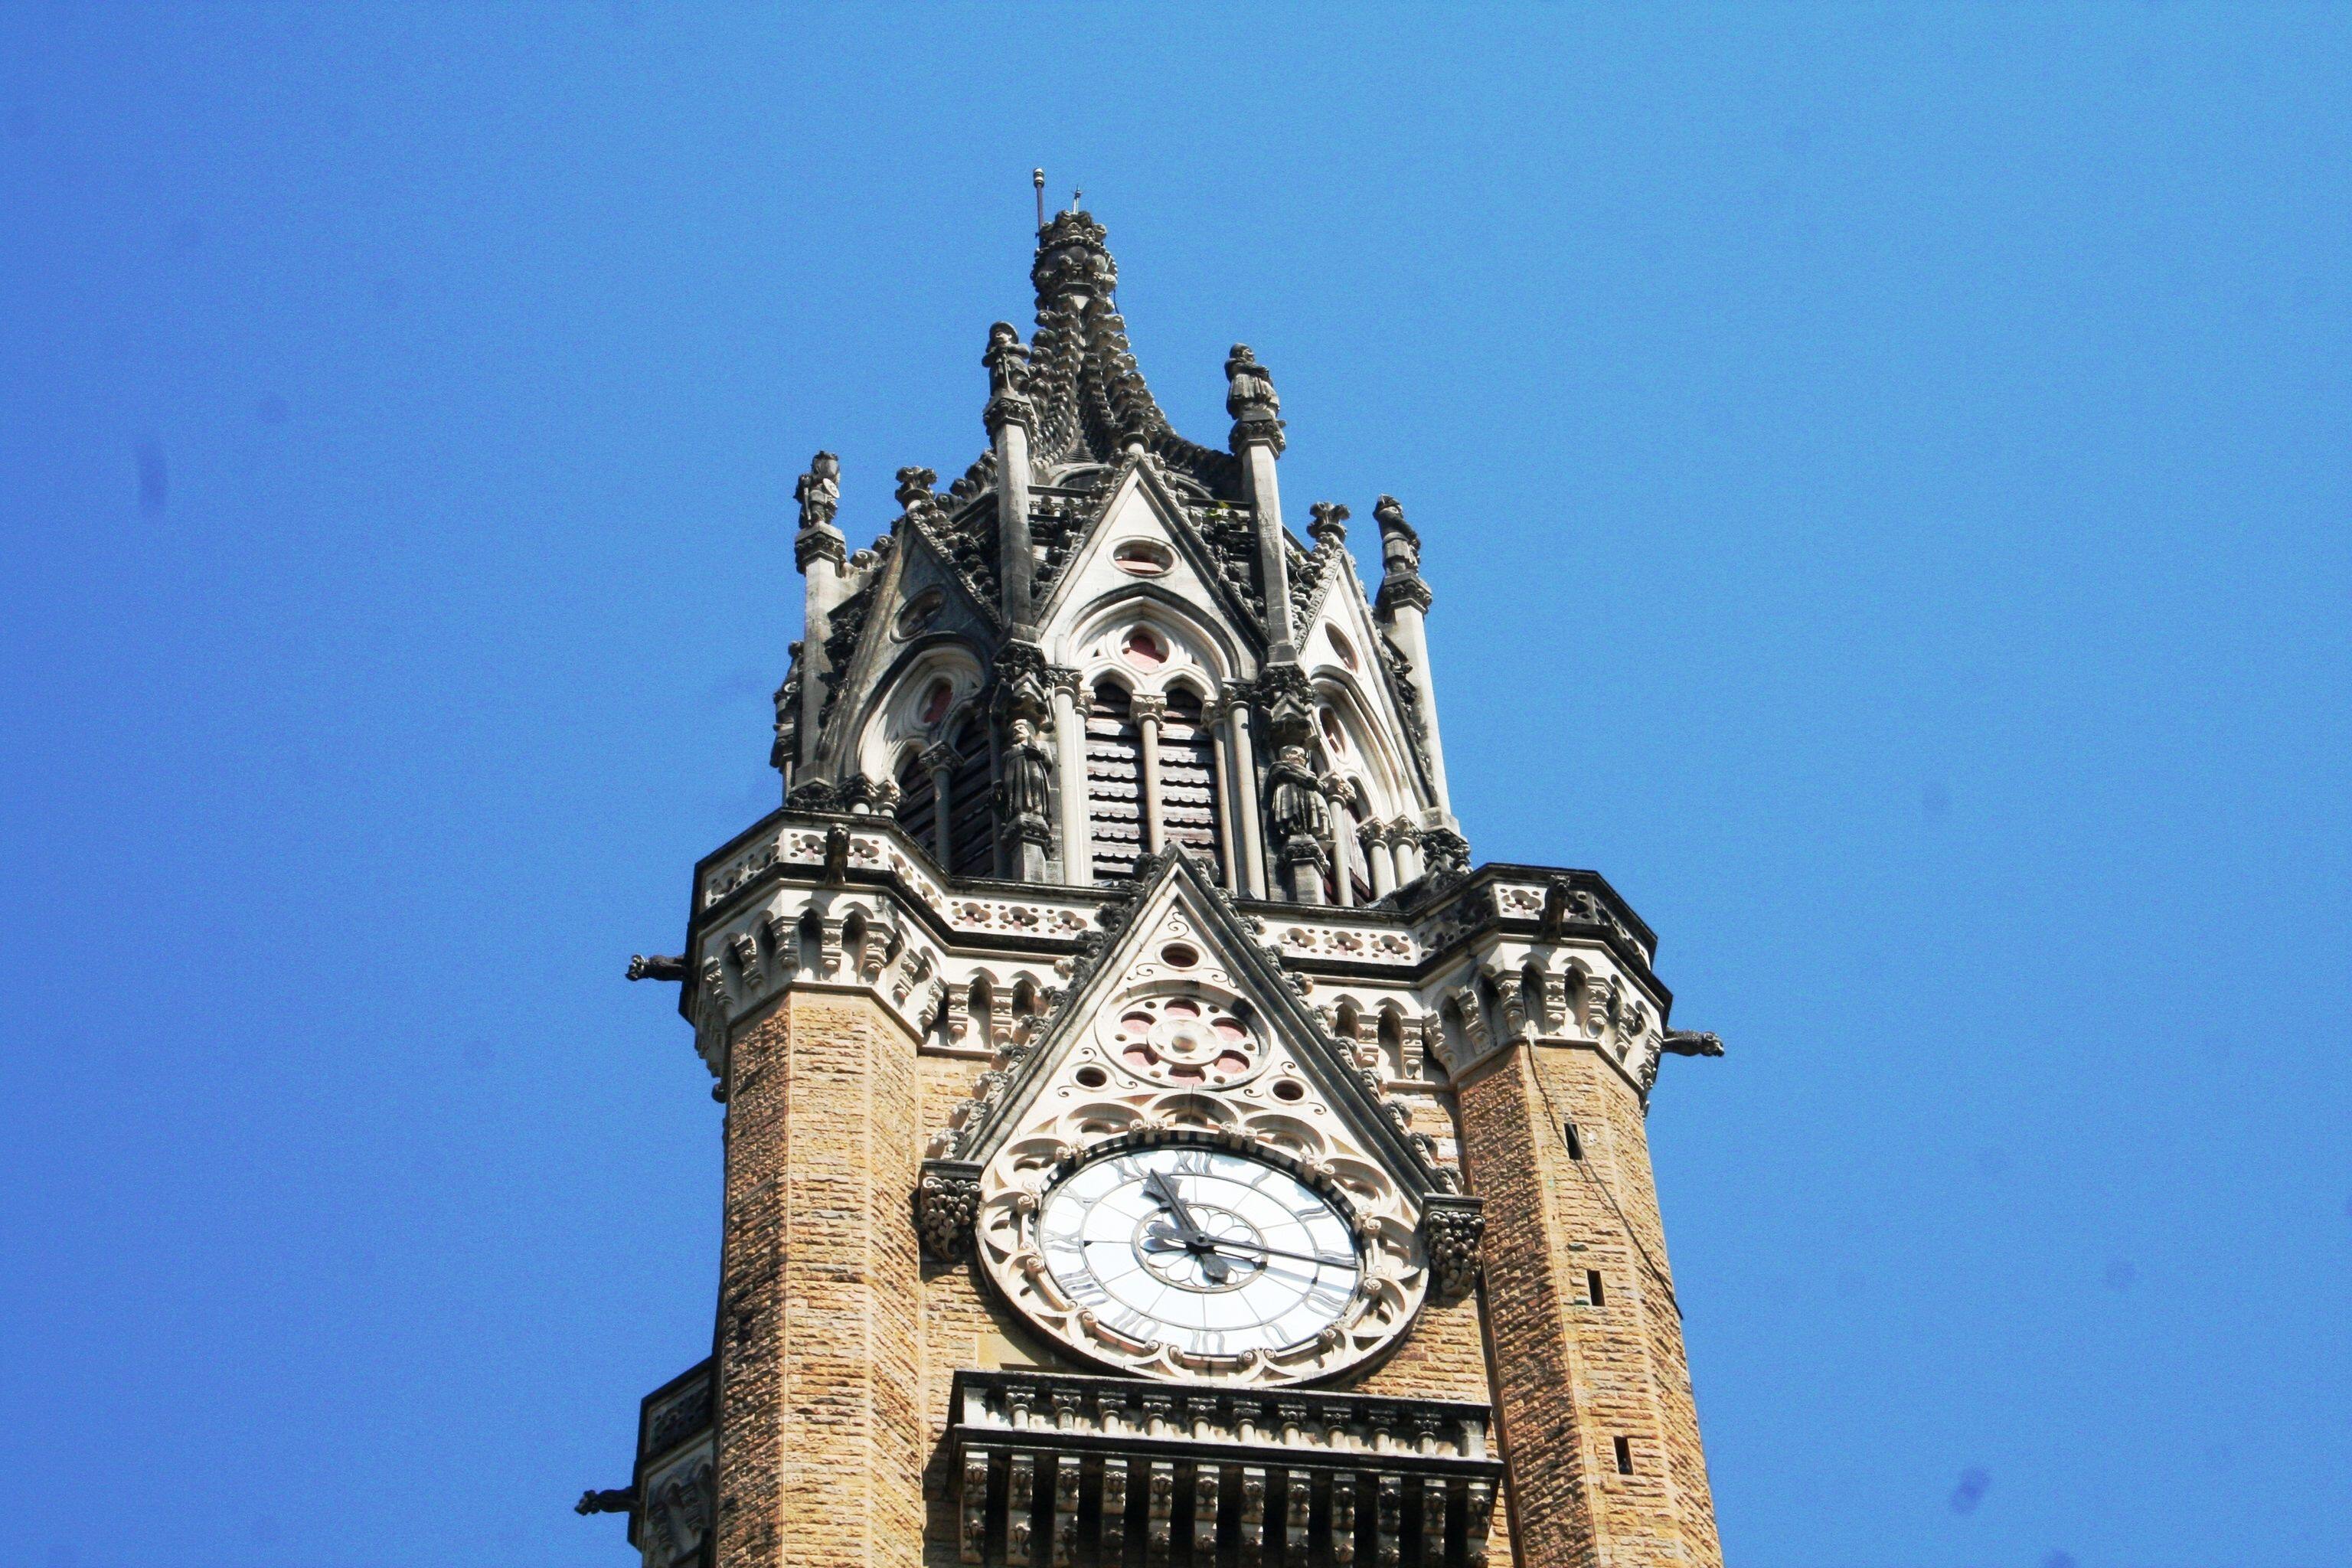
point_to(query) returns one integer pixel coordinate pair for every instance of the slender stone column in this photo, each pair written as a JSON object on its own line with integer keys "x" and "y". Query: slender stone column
{"x": 1249, "y": 820}
{"x": 941, "y": 761}
{"x": 1404, "y": 839}
{"x": 1342, "y": 843}
{"x": 1375, "y": 837}
{"x": 1070, "y": 743}
{"x": 1221, "y": 788}
{"x": 1147, "y": 711}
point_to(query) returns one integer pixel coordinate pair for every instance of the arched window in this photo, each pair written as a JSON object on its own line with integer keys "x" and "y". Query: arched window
{"x": 1114, "y": 784}
{"x": 1188, "y": 779}
{"x": 971, "y": 808}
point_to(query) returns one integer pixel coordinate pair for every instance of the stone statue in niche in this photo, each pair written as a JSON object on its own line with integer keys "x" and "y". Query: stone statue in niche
{"x": 1028, "y": 775}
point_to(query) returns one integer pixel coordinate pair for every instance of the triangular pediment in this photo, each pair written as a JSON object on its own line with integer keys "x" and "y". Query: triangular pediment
{"x": 1250, "y": 1045}
{"x": 1356, "y": 657}
{"x": 916, "y": 567}
{"x": 1142, "y": 512}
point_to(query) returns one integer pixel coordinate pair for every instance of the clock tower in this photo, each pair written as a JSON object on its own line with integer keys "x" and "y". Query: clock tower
{"x": 1150, "y": 1141}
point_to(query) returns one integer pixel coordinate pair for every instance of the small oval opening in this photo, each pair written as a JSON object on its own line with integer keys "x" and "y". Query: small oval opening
{"x": 1180, "y": 955}
{"x": 1093, "y": 1076}
{"x": 1346, "y": 649}
{"x": 1289, "y": 1088}
{"x": 1143, "y": 557}
{"x": 920, "y": 612}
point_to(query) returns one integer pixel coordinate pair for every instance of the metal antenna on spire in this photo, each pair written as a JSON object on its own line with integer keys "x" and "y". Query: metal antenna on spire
{"x": 1075, "y": 196}
{"x": 1037, "y": 178}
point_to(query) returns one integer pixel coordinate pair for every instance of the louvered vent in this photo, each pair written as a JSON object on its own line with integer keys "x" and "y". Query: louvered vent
{"x": 1188, "y": 780}
{"x": 1114, "y": 785}
{"x": 972, "y": 810}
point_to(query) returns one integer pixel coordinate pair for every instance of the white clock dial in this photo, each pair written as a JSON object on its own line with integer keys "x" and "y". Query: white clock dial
{"x": 1210, "y": 1252}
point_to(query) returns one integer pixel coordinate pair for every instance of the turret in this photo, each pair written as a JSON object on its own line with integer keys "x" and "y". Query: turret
{"x": 1403, "y": 603}
{"x": 821, "y": 552}
{"x": 1009, "y": 416}
{"x": 1257, "y": 442}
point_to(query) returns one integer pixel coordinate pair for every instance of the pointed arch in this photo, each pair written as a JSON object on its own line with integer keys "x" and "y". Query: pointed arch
{"x": 1114, "y": 780}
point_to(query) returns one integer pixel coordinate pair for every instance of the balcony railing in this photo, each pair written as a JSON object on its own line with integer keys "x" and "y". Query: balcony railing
{"x": 1059, "y": 1470}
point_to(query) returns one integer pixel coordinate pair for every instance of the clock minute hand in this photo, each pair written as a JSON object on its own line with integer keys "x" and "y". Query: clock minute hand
{"x": 1278, "y": 1252}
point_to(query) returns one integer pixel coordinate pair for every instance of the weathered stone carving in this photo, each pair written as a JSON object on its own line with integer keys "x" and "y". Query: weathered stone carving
{"x": 678, "y": 1515}
{"x": 656, "y": 966}
{"x": 1451, "y": 1231}
{"x": 1250, "y": 399}
{"x": 1330, "y": 527}
{"x": 1007, "y": 359}
{"x": 945, "y": 1200}
{"x": 819, "y": 491}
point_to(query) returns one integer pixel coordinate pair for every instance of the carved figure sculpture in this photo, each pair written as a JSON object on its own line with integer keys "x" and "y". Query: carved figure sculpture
{"x": 819, "y": 491}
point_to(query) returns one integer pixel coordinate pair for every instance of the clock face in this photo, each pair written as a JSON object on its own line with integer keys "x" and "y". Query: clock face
{"x": 1210, "y": 1252}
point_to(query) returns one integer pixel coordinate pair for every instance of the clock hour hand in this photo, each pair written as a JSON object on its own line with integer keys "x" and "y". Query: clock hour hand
{"x": 1158, "y": 1186}
{"x": 1197, "y": 1242}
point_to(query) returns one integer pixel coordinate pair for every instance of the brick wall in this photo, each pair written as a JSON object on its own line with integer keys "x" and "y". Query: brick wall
{"x": 821, "y": 1428}
{"x": 1572, "y": 1377}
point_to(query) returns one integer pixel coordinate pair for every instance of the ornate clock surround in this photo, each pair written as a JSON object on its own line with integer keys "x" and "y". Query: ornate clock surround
{"x": 1295, "y": 1100}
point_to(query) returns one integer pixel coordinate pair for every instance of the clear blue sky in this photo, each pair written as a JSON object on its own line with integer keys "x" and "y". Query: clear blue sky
{"x": 1885, "y": 480}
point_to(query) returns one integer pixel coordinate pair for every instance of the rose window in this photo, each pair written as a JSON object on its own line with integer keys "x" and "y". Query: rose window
{"x": 1186, "y": 1042}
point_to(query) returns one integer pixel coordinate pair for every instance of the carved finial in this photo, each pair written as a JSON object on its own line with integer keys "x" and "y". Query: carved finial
{"x": 915, "y": 489}
{"x": 1037, "y": 179}
{"x": 1330, "y": 526}
{"x": 1250, "y": 399}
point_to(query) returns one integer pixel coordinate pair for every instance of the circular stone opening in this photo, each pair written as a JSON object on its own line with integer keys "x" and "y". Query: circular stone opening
{"x": 1346, "y": 649}
{"x": 1093, "y": 1076}
{"x": 1144, "y": 649}
{"x": 1289, "y": 1088}
{"x": 1180, "y": 955}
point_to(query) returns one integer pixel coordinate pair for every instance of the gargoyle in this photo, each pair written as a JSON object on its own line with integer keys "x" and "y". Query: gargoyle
{"x": 656, "y": 966}
{"x": 1691, "y": 1043}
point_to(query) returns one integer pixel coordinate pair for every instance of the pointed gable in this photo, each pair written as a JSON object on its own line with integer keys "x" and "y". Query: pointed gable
{"x": 1140, "y": 535}
{"x": 1174, "y": 904}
